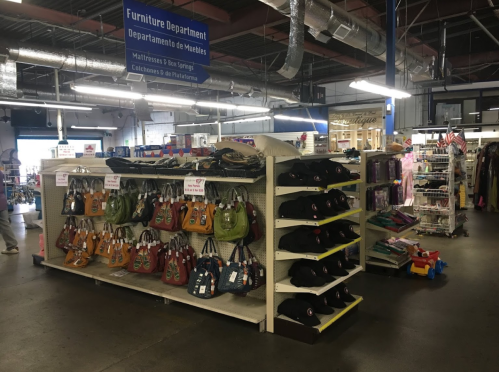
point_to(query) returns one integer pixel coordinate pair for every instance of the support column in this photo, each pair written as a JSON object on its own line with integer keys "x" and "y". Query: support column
{"x": 390, "y": 67}
{"x": 60, "y": 129}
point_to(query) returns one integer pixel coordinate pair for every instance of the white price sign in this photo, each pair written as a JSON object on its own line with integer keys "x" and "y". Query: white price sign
{"x": 112, "y": 181}
{"x": 194, "y": 185}
{"x": 61, "y": 179}
{"x": 65, "y": 151}
{"x": 343, "y": 144}
{"x": 89, "y": 151}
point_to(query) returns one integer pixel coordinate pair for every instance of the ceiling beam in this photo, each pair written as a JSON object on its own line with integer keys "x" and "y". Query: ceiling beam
{"x": 283, "y": 38}
{"x": 244, "y": 21}
{"x": 221, "y": 57}
{"x": 474, "y": 59}
{"x": 202, "y": 8}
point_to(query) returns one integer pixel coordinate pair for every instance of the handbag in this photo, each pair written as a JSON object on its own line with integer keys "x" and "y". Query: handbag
{"x": 145, "y": 255}
{"x": 231, "y": 224}
{"x": 95, "y": 201}
{"x": 175, "y": 271}
{"x": 255, "y": 232}
{"x": 188, "y": 251}
{"x": 76, "y": 258}
{"x": 144, "y": 208}
{"x": 85, "y": 238}
{"x": 67, "y": 234}
{"x": 203, "y": 279}
{"x": 236, "y": 275}
{"x": 130, "y": 194}
{"x": 257, "y": 270}
{"x": 73, "y": 203}
{"x": 106, "y": 236}
{"x": 168, "y": 210}
{"x": 199, "y": 217}
{"x": 115, "y": 211}
{"x": 119, "y": 255}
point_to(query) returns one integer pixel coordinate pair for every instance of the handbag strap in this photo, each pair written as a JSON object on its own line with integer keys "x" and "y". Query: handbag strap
{"x": 72, "y": 185}
{"x": 145, "y": 236}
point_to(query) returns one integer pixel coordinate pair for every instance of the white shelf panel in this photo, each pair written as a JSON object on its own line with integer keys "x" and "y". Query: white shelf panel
{"x": 327, "y": 320}
{"x": 281, "y": 255}
{"x": 289, "y": 222}
{"x": 51, "y": 172}
{"x": 403, "y": 233}
{"x": 245, "y": 308}
{"x": 284, "y": 190}
{"x": 285, "y": 286}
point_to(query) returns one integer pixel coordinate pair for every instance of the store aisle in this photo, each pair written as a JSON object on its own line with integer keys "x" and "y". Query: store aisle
{"x": 54, "y": 321}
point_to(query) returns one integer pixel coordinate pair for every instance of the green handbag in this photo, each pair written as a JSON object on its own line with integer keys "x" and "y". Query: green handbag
{"x": 231, "y": 223}
{"x": 115, "y": 208}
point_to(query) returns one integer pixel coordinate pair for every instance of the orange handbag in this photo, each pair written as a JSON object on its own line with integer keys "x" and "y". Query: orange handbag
{"x": 95, "y": 201}
{"x": 105, "y": 238}
{"x": 199, "y": 217}
{"x": 120, "y": 251}
{"x": 85, "y": 238}
{"x": 76, "y": 258}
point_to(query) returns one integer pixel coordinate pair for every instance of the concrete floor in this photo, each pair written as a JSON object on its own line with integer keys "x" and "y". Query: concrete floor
{"x": 55, "y": 321}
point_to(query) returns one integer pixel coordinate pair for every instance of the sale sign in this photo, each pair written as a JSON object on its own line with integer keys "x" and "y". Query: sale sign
{"x": 194, "y": 185}
{"x": 112, "y": 181}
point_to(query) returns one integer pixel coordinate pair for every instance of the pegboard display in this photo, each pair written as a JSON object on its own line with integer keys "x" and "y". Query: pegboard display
{"x": 52, "y": 201}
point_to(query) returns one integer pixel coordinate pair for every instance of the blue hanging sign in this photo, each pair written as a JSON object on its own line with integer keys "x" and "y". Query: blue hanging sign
{"x": 164, "y": 44}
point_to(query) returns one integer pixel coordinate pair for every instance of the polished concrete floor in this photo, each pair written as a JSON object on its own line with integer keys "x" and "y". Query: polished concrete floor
{"x": 55, "y": 321}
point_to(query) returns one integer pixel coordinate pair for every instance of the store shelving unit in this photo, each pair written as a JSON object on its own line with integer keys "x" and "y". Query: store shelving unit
{"x": 282, "y": 260}
{"x": 251, "y": 308}
{"x": 436, "y": 206}
{"x": 373, "y": 233}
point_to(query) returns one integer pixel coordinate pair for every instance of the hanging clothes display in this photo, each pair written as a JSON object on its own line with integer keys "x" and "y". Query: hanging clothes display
{"x": 407, "y": 182}
{"x": 487, "y": 186}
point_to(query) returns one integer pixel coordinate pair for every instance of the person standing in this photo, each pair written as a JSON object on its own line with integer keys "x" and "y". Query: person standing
{"x": 5, "y": 229}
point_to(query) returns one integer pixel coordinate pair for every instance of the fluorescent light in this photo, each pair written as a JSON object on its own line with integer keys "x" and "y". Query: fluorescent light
{"x": 94, "y": 128}
{"x": 370, "y": 128}
{"x": 474, "y": 113}
{"x": 168, "y": 99}
{"x": 212, "y": 104}
{"x": 340, "y": 124}
{"x": 116, "y": 93}
{"x": 252, "y": 108}
{"x": 247, "y": 120}
{"x": 46, "y": 105}
{"x": 195, "y": 124}
{"x": 378, "y": 89}
{"x": 436, "y": 128}
{"x": 378, "y": 129}
{"x": 15, "y": 1}
{"x": 456, "y": 118}
{"x": 493, "y": 108}
{"x": 296, "y": 118}
{"x": 395, "y": 132}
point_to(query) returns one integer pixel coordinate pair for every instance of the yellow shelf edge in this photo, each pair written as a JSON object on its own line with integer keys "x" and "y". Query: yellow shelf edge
{"x": 339, "y": 217}
{"x": 340, "y": 314}
{"x": 290, "y": 222}
{"x": 336, "y": 249}
{"x": 341, "y": 184}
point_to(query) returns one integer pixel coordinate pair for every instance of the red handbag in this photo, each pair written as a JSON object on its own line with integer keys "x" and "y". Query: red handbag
{"x": 145, "y": 256}
{"x": 167, "y": 214}
{"x": 175, "y": 271}
{"x": 258, "y": 271}
{"x": 67, "y": 235}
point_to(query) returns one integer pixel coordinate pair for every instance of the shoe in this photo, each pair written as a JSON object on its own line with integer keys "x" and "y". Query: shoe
{"x": 11, "y": 251}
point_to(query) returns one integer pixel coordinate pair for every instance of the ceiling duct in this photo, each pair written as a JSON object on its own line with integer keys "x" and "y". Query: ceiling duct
{"x": 321, "y": 15}
{"x": 296, "y": 39}
{"x": 97, "y": 64}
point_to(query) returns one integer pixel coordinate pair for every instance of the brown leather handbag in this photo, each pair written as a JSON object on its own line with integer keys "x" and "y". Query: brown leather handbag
{"x": 175, "y": 271}
{"x": 104, "y": 242}
{"x": 66, "y": 236}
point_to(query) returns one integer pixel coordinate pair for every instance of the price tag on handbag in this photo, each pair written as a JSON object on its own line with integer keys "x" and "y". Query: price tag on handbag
{"x": 202, "y": 289}
{"x": 112, "y": 181}
{"x": 61, "y": 179}
{"x": 233, "y": 277}
{"x": 104, "y": 205}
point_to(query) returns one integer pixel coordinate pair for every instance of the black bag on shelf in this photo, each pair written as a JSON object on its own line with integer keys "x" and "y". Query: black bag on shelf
{"x": 144, "y": 208}
{"x": 74, "y": 203}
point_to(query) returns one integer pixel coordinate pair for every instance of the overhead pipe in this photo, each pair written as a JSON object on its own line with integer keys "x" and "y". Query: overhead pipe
{"x": 294, "y": 57}
{"x": 46, "y": 93}
{"x": 323, "y": 16}
{"x": 98, "y": 64}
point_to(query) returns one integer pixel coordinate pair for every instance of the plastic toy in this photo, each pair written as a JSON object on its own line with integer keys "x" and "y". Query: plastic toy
{"x": 425, "y": 263}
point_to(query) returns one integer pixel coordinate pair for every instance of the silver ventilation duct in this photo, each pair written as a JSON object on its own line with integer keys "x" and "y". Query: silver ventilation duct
{"x": 321, "y": 15}
{"x": 80, "y": 61}
{"x": 45, "y": 93}
{"x": 296, "y": 39}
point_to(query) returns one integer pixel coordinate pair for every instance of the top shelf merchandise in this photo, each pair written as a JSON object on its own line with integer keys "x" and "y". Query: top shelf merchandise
{"x": 436, "y": 185}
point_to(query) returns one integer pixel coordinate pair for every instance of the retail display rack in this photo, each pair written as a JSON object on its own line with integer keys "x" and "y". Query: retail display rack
{"x": 251, "y": 308}
{"x": 372, "y": 233}
{"x": 436, "y": 203}
{"x": 282, "y": 260}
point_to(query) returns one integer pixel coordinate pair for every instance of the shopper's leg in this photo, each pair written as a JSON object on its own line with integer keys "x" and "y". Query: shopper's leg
{"x": 6, "y": 230}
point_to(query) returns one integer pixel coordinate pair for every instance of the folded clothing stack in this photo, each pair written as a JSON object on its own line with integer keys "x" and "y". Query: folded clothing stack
{"x": 318, "y": 174}
{"x": 394, "y": 220}
{"x": 305, "y": 306}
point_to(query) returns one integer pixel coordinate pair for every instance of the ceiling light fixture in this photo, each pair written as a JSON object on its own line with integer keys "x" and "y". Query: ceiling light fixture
{"x": 252, "y": 108}
{"x": 395, "y": 132}
{"x": 94, "y": 128}
{"x": 219, "y": 105}
{"x": 436, "y": 128}
{"x": 247, "y": 120}
{"x": 456, "y": 118}
{"x": 340, "y": 124}
{"x": 378, "y": 129}
{"x": 116, "y": 93}
{"x": 169, "y": 99}
{"x": 493, "y": 108}
{"x": 378, "y": 89}
{"x": 16, "y": 1}
{"x": 46, "y": 105}
{"x": 296, "y": 118}
{"x": 474, "y": 113}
